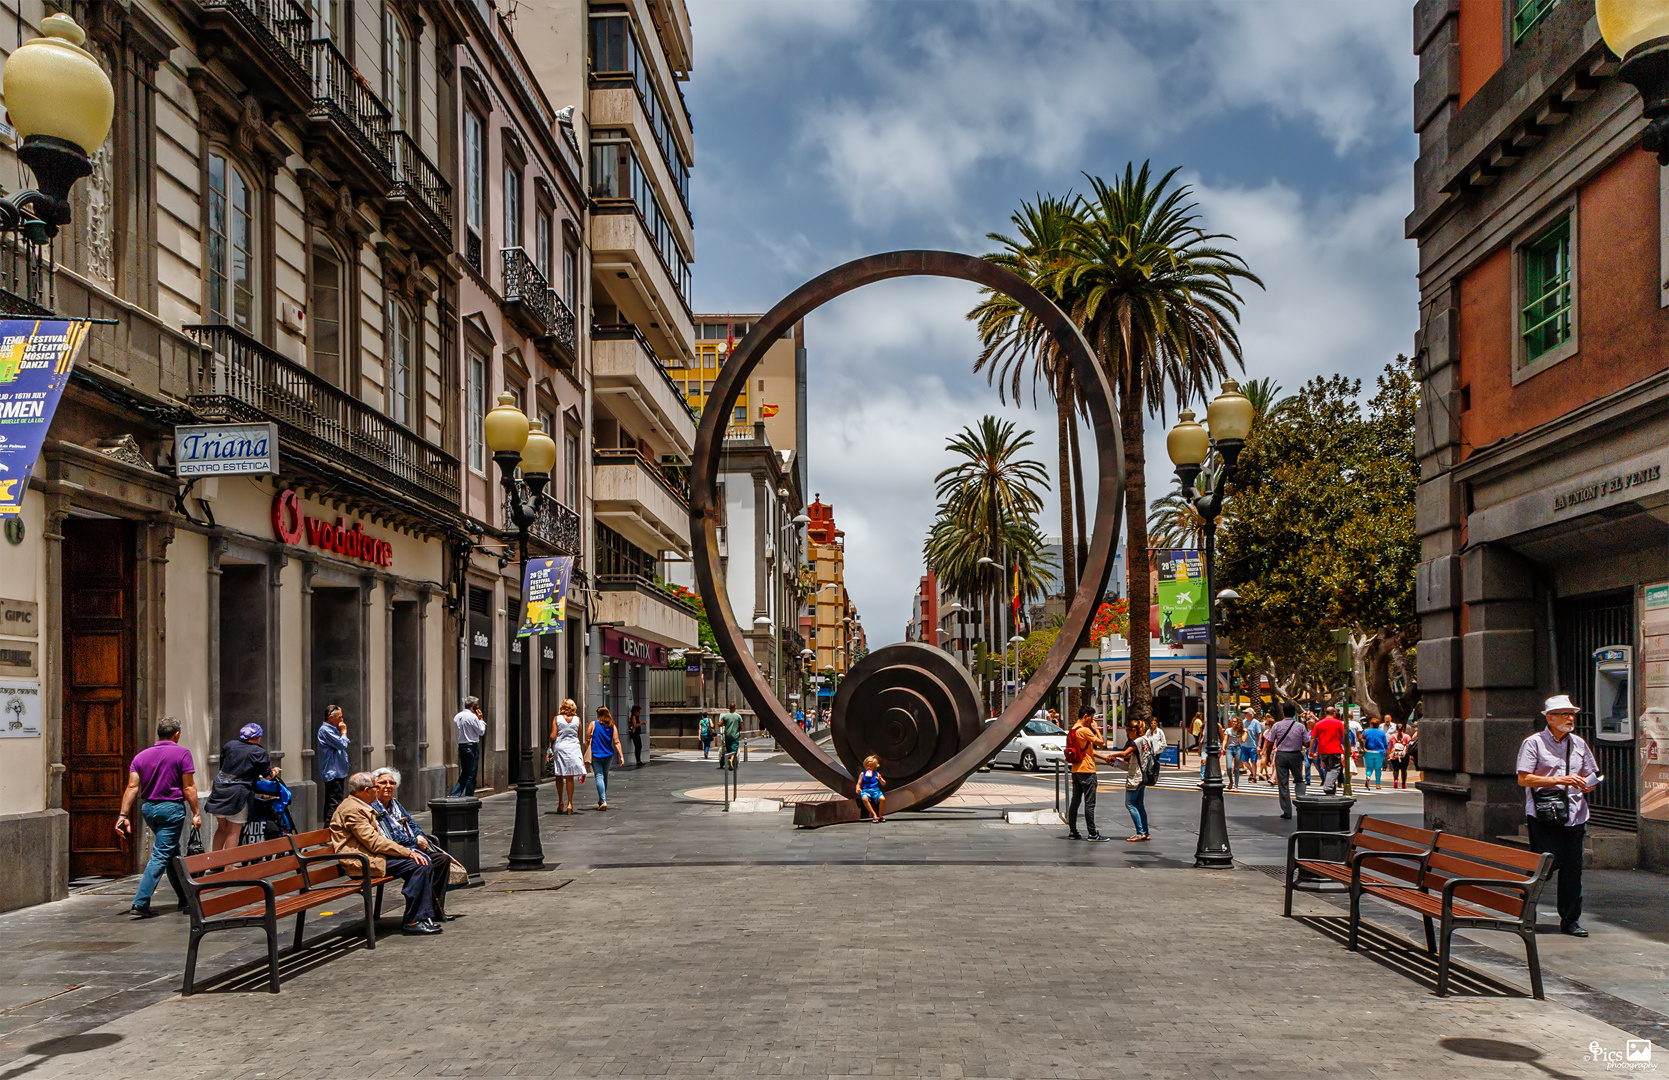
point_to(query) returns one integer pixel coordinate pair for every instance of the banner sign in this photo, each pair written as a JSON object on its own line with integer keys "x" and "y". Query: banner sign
{"x": 545, "y": 591}
{"x": 635, "y": 649}
{"x": 36, "y": 356}
{"x": 225, "y": 449}
{"x": 1183, "y": 611}
{"x": 20, "y": 710}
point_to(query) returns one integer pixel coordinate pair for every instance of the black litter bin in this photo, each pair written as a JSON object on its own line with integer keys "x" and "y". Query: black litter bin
{"x": 456, "y": 823}
{"x": 1323, "y": 813}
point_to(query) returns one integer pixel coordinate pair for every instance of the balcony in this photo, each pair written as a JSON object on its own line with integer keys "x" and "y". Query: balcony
{"x": 264, "y": 42}
{"x": 630, "y": 268}
{"x": 527, "y": 296}
{"x": 348, "y": 117}
{"x": 636, "y": 499}
{"x": 236, "y": 378}
{"x": 642, "y": 609}
{"x": 555, "y": 526}
{"x": 561, "y": 344}
{"x": 420, "y": 194}
{"x": 639, "y": 392}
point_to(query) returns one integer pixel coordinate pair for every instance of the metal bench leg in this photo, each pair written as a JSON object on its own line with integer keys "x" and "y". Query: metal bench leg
{"x": 1445, "y": 938}
{"x": 1532, "y": 959}
{"x": 1355, "y": 917}
{"x": 370, "y": 921}
{"x": 301, "y": 920}
{"x": 1431, "y": 936}
{"x": 1292, "y": 872}
{"x": 272, "y": 955}
{"x": 379, "y": 902}
{"x": 191, "y": 963}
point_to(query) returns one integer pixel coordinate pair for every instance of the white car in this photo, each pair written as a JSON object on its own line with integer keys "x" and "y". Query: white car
{"x": 1039, "y": 744}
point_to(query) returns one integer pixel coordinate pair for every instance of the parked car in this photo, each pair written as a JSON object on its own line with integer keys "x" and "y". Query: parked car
{"x": 1038, "y": 744}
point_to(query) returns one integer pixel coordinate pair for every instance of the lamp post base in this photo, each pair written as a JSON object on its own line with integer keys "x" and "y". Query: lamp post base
{"x": 525, "y": 850}
{"x": 1213, "y": 851}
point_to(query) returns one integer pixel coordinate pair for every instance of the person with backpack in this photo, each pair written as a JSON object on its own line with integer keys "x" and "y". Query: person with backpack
{"x": 1081, "y": 743}
{"x": 1141, "y": 770}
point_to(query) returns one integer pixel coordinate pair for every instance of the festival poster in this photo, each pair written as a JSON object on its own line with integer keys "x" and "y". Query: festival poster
{"x": 36, "y": 356}
{"x": 545, "y": 592}
{"x": 1183, "y": 611}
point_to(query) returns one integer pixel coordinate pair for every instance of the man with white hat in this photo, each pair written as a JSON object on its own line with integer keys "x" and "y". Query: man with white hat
{"x": 1557, "y": 770}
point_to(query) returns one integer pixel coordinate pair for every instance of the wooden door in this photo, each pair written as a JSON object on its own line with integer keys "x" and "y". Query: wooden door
{"x": 98, "y": 691}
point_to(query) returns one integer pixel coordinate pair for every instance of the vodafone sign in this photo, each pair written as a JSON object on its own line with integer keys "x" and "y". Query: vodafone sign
{"x": 290, "y": 525}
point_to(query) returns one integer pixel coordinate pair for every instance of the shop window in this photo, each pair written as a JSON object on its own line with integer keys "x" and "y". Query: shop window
{"x": 324, "y": 314}
{"x": 1546, "y": 297}
{"x": 1527, "y": 14}
{"x": 231, "y": 253}
{"x": 475, "y": 396}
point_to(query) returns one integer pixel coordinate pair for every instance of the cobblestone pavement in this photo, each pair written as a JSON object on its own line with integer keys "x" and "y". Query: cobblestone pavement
{"x": 670, "y": 939}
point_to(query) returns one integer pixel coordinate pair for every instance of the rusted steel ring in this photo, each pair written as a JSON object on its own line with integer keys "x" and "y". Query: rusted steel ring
{"x": 900, "y": 671}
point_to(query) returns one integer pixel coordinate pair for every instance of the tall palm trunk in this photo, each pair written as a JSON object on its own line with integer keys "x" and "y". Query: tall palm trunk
{"x": 1135, "y": 531}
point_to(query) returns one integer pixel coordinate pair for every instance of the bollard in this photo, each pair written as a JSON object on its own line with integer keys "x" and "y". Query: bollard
{"x": 456, "y": 823}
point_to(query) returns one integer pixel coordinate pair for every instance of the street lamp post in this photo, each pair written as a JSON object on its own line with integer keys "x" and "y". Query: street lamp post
{"x": 518, "y": 443}
{"x": 1639, "y": 34}
{"x": 1230, "y": 418}
{"x": 61, "y": 102}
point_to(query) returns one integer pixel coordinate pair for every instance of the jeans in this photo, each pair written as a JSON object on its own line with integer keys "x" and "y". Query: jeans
{"x": 1083, "y": 791}
{"x": 1373, "y": 764}
{"x": 1233, "y": 756}
{"x": 425, "y": 886}
{"x": 469, "y": 760}
{"x": 601, "y": 766}
{"x": 335, "y": 791}
{"x": 1135, "y": 801}
{"x": 637, "y": 747}
{"x": 166, "y": 819}
{"x": 1287, "y": 772}
{"x": 706, "y": 744}
{"x": 1564, "y": 843}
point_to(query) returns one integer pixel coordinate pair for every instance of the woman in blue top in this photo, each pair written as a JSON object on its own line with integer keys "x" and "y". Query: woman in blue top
{"x": 1374, "y": 744}
{"x": 602, "y": 749}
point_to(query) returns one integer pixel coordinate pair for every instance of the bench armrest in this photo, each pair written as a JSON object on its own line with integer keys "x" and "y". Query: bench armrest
{"x": 1293, "y": 838}
{"x": 270, "y": 896}
{"x": 1523, "y": 886}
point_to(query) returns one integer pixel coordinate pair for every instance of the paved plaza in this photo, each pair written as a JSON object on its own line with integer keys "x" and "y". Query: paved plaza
{"x": 671, "y": 939}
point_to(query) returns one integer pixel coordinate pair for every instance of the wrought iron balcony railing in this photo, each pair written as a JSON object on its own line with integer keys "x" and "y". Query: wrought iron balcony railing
{"x": 562, "y": 328}
{"x": 527, "y": 296}
{"x": 238, "y": 378}
{"x": 273, "y": 32}
{"x": 416, "y": 178}
{"x": 555, "y": 525}
{"x": 342, "y": 97}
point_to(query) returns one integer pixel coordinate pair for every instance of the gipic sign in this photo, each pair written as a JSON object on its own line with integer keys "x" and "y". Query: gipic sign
{"x": 290, "y": 525}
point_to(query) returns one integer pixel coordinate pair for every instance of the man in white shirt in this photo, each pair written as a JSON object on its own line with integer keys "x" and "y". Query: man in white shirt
{"x": 1557, "y": 762}
{"x": 469, "y": 727}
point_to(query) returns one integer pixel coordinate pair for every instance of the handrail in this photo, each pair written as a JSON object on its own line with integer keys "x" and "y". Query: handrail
{"x": 525, "y": 285}
{"x": 625, "y": 454}
{"x": 555, "y": 524}
{"x": 639, "y": 583}
{"x": 416, "y": 174}
{"x": 238, "y": 376}
{"x": 284, "y": 36}
{"x": 625, "y": 331}
{"x": 343, "y": 95}
{"x": 562, "y": 329}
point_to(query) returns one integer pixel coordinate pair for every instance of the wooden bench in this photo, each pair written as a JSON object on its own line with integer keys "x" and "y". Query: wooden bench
{"x": 1468, "y": 884}
{"x": 1397, "y": 854}
{"x": 258, "y": 884}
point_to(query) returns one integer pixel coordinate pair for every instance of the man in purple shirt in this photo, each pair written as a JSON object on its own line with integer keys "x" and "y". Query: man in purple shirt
{"x": 161, "y": 779}
{"x": 1557, "y": 759}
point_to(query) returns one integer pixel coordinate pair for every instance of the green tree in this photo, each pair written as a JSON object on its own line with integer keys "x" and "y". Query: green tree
{"x": 1159, "y": 302}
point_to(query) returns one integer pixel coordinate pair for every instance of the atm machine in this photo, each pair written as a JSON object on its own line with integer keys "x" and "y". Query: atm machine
{"x": 1613, "y": 700}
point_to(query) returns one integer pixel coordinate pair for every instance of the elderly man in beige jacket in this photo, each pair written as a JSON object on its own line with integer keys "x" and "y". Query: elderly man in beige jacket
{"x": 353, "y": 831}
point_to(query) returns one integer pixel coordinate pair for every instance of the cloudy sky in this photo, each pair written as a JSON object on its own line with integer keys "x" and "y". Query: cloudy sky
{"x": 831, "y": 129}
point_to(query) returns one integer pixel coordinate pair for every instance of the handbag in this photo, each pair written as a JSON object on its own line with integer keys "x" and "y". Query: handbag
{"x": 1553, "y": 804}
{"x": 194, "y": 843}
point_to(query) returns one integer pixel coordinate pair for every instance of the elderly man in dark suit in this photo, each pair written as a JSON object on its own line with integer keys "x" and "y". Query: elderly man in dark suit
{"x": 353, "y": 830}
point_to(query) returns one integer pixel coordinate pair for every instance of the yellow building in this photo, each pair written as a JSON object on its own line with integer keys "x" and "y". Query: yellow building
{"x": 775, "y": 392}
{"x": 834, "y": 620}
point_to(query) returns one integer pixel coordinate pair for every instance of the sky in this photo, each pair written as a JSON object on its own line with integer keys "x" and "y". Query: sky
{"x": 833, "y": 129}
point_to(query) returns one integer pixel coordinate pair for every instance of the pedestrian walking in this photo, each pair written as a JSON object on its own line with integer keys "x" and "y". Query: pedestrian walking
{"x": 1309, "y": 751}
{"x": 1251, "y": 747}
{"x": 330, "y": 745}
{"x": 730, "y": 732}
{"x": 1557, "y": 769}
{"x": 468, "y": 726}
{"x": 162, "y": 783}
{"x": 1330, "y": 740}
{"x": 870, "y": 784}
{"x": 1401, "y": 744}
{"x": 1233, "y": 736}
{"x": 1081, "y": 744}
{"x": 567, "y": 756}
{"x": 706, "y": 729}
{"x": 1136, "y": 753}
{"x": 232, "y": 801}
{"x": 1375, "y": 745}
{"x": 603, "y": 751}
{"x": 1288, "y": 739}
{"x": 634, "y": 729}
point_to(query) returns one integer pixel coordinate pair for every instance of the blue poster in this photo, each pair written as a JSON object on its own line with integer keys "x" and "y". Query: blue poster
{"x": 545, "y": 594}
{"x": 35, "y": 360}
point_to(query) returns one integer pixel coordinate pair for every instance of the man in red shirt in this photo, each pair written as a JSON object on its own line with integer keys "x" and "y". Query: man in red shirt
{"x": 1328, "y": 738}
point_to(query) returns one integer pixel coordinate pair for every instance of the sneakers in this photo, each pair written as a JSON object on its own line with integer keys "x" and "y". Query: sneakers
{"x": 1573, "y": 929}
{"x": 143, "y": 912}
{"x": 1097, "y": 838}
{"x": 1073, "y": 836}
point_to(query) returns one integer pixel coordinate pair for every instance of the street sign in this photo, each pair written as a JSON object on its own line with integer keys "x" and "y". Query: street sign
{"x": 226, "y": 449}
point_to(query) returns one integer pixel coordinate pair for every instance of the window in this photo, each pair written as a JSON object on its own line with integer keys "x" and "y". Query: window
{"x": 615, "y": 58}
{"x": 475, "y": 397}
{"x": 328, "y": 21}
{"x": 571, "y": 470}
{"x": 571, "y": 277}
{"x": 231, "y": 254}
{"x": 739, "y": 415}
{"x": 544, "y": 228}
{"x": 1545, "y": 317}
{"x": 512, "y": 204}
{"x": 324, "y": 314}
{"x": 398, "y": 349}
{"x": 617, "y": 174}
{"x": 1527, "y": 13}
{"x": 396, "y": 68}
{"x": 475, "y": 193}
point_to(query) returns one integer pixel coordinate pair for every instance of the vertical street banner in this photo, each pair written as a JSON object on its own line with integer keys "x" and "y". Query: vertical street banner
{"x": 545, "y": 594}
{"x": 36, "y": 356}
{"x": 1183, "y": 611}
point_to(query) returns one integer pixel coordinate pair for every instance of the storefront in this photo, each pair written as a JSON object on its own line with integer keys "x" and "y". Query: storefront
{"x": 623, "y": 675}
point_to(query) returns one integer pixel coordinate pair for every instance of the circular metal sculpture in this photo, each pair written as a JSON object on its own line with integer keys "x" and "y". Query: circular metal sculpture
{"x": 910, "y": 704}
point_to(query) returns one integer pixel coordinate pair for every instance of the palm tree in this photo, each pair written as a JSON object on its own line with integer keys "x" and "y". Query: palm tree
{"x": 1014, "y": 342}
{"x": 1159, "y": 303}
{"x": 1173, "y": 521}
{"x": 1265, "y": 396}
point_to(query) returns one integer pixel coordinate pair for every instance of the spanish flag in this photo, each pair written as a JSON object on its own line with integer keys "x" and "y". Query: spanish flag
{"x": 767, "y": 411}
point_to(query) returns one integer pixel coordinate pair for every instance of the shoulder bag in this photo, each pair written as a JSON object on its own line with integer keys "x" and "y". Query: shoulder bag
{"x": 1553, "y": 804}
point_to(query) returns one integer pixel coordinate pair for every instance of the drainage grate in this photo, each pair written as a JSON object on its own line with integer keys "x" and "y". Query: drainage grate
{"x": 1279, "y": 873}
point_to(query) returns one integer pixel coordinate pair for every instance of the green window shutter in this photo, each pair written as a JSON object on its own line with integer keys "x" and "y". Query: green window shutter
{"x": 1544, "y": 320}
{"x": 1527, "y": 13}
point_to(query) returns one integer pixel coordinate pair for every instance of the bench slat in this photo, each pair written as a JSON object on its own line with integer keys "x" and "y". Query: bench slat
{"x": 1499, "y": 854}
{"x": 215, "y": 860}
{"x": 1410, "y": 834}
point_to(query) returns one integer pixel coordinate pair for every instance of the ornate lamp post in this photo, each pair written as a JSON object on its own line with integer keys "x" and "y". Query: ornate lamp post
{"x": 1638, "y": 32}
{"x": 520, "y": 444}
{"x": 61, "y": 102}
{"x": 1230, "y": 417}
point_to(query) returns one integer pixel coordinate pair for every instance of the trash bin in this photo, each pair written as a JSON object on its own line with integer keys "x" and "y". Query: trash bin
{"x": 456, "y": 823}
{"x": 1323, "y": 813}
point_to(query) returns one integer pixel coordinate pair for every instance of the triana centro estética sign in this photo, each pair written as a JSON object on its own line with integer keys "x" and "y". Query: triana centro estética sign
{"x": 292, "y": 526}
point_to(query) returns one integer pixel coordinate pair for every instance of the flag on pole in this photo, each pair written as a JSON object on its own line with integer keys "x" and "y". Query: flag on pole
{"x": 1016, "y": 593}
